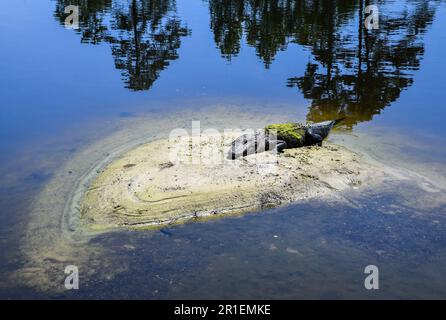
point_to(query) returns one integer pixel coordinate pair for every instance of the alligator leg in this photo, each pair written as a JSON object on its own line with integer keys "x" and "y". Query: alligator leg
{"x": 276, "y": 146}
{"x": 280, "y": 146}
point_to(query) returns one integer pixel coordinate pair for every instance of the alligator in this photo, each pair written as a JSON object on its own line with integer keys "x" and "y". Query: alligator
{"x": 277, "y": 137}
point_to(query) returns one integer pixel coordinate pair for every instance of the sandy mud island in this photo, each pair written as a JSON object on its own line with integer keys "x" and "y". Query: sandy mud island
{"x": 144, "y": 187}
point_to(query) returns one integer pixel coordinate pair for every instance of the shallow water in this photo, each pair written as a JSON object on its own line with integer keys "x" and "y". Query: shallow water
{"x": 64, "y": 90}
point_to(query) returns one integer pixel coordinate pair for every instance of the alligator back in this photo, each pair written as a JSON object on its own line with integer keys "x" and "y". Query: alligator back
{"x": 292, "y": 133}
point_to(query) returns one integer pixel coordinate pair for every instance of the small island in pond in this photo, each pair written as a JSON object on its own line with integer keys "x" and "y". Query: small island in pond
{"x": 144, "y": 187}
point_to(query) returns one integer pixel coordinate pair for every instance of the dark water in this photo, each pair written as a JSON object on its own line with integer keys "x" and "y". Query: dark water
{"x": 62, "y": 88}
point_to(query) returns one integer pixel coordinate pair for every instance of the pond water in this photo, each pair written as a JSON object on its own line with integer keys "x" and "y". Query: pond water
{"x": 135, "y": 69}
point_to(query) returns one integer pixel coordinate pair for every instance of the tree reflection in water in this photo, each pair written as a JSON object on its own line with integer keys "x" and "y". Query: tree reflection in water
{"x": 144, "y": 34}
{"x": 352, "y": 72}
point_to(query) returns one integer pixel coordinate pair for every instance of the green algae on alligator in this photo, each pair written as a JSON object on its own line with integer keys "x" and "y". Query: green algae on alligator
{"x": 144, "y": 188}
